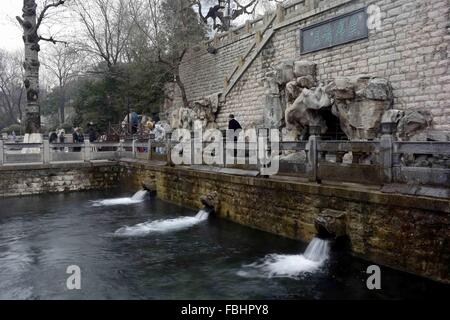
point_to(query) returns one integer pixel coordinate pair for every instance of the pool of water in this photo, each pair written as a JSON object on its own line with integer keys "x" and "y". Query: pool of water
{"x": 41, "y": 236}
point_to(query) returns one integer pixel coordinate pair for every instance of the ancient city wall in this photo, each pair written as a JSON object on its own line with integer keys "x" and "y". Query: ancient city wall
{"x": 411, "y": 51}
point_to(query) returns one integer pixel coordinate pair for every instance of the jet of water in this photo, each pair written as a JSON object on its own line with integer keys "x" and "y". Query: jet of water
{"x": 162, "y": 226}
{"x": 291, "y": 266}
{"x": 138, "y": 197}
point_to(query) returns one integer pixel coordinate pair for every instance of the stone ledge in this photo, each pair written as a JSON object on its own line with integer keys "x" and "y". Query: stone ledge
{"x": 61, "y": 165}
{"x": 344, "y": 192}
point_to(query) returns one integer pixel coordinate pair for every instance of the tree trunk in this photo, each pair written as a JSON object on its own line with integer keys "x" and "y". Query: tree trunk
{"x": 31, "y": 66}
{"x": 62, "y": 103}
{"x": 182, "y": 89}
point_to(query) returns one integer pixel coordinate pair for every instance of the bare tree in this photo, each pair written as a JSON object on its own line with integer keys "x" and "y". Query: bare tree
{"x": 106, "y": 28}
{"x": 31, "y": 22}
{"x": 227, "y": 11}
{"x": 64, "y": 64}
{"x": 11, "y": 87}
{"x": 170, "y": 27}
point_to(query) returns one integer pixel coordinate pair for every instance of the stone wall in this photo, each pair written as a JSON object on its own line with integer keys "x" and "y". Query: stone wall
{"x": 404, "y": 232}
{"x": 37, "y": 179}
{"x": 411, "y": 51}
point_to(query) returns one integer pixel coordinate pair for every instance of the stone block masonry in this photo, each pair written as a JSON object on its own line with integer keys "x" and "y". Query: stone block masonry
{"x": 37, "y": 179}
{"x": 404, "y": 232}
{"x": 411, "y": 51}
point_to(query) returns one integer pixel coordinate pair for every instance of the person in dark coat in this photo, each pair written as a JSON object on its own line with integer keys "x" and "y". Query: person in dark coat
{"x": 77, "y": 138}
{"x": 91, "y": 132}
{"x": 53, "y": 138}
{"x": 62, "y": 138}
{"x": 233, "y": 124}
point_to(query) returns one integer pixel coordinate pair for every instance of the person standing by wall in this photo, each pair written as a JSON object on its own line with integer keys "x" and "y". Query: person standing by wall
{"x": 160, "y": 135}
{"x": 234, "y": 125}
{"x": 92, "y": 133}
{"x": 77, "y": 138}
{"x": 62, "y": 138}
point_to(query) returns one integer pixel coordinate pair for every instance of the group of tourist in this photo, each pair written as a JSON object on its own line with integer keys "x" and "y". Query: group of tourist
{"x": 59, "y": 136}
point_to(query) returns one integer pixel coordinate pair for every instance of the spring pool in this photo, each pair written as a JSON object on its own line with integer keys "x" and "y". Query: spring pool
{"x": 40, "y": 236}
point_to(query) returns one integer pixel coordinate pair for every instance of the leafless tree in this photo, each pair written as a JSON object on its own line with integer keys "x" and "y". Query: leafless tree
{"x": 170, "y": 27}
{"x": 64, "y": 65}
{"x": 31, "y": 21}
{"x": 106, "y": 28}
{"x": 12, "y": 96}
{"x": 226, "y": 11}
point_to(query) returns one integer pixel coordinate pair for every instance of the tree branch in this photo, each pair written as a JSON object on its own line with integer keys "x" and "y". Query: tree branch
{"x": 51, "y": 5}
{"x": 52, "y": 40}
{"x": 20, "y": 20}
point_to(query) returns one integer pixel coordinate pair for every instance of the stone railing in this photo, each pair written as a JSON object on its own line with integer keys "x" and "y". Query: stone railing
{"x": 251, "y": 27}
{"x": 46, "y": 153}
{"x": 381, "y": 162}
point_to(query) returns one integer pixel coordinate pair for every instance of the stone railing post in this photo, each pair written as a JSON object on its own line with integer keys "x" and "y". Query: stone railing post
{"x": 386, "y": 150}
{"x": 169, "y": 148}
{"x": 120, "y": 149}
{"x": 1, "y": 152}
{"x": 149, "y": 149}
{"x": 258, "y": 37}
{"x": 87, "y": 151}
{"x": 280, "y": 13}
{"x": 313, "y": 154}
{"x": 45, "y": 151}
{"x": 312, "y": 4}
{"x": 133, "y": 149}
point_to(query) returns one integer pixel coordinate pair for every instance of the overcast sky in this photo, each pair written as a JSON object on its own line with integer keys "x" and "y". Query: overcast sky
{"x": 11, "y": 34}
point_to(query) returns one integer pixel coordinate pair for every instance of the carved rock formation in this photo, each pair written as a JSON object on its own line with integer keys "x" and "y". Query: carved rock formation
{"x": 201, "y": 114}
{"x": 330, "y": 223}
{"x": 359, "y": 105}
{"x": 305, "y": 111}
{"x": 150, "y": 187}
{"x": 412, "y": 123}
{"x": 210, "y": 201}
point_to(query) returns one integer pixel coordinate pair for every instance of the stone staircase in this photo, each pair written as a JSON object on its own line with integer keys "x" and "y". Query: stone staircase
{"x": 260, "y": 40}
{"x": 271, "y": 22}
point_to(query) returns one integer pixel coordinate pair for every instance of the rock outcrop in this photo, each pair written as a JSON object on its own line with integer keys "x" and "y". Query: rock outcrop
{"x": 201, "y": 114}
{"x": 305, "y": 110}
{"x": 359, "y": 104}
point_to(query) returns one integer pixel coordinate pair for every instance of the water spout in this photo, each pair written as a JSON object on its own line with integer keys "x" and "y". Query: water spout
{"x": 210, "y": 201}
{"x": 138, "y": 197}
{"x": 290, "y": 266}
{"x": 330, "y": 224}
{"x": 150, "y": 188}
{"x": 162, "y": 226}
